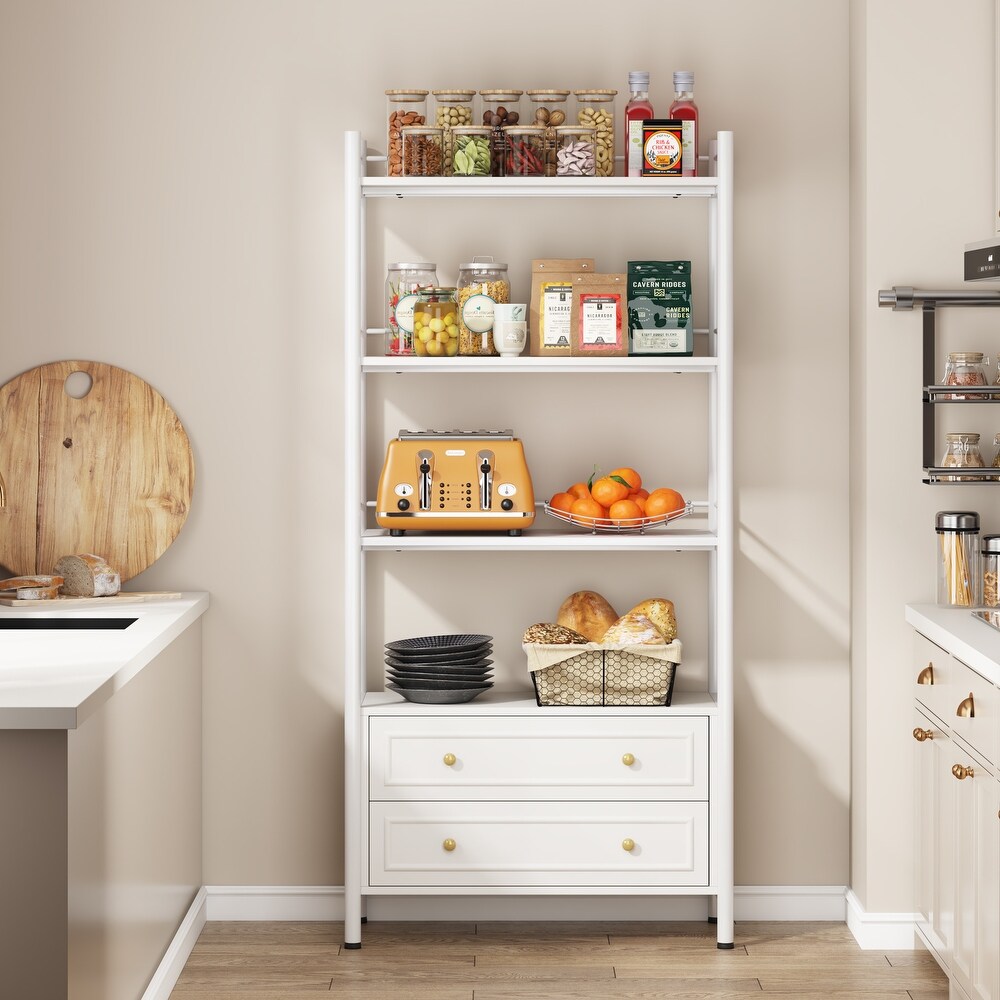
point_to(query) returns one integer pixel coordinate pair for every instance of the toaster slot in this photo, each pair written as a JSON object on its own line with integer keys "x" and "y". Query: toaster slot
{"x": 425, "y": 472}
{"x": 485, "y": 460}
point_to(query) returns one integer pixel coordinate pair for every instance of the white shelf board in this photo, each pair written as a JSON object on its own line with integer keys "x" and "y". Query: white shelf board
{"x": 376, "y": 364}
{"x": 533, "y": 187}
{"x": 521, "y": 701}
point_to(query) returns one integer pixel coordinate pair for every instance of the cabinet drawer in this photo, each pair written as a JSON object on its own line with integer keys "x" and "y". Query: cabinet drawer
{"x": 969, "y": 689}
{"x": 538, "y": 843}
{"x": 539, "y": 758}
{"x": 936, "y": 669}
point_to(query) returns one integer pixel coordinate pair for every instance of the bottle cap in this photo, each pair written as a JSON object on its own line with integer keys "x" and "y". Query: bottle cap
{"x": 683, "y": 80}
{"x": 639, "y": 79}
{"x": 956, "y": 520}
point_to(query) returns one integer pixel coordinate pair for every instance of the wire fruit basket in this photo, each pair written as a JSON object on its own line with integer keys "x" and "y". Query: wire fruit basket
{"x": 620, "y": 525}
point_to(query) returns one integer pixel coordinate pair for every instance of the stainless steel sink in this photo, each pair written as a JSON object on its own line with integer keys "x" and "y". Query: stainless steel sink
{"x": 24, "y": 622}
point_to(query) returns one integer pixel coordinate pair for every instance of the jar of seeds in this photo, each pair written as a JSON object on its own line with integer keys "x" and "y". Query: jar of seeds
{"x": 965, "y": 368}
{"x": 472, "y": 153}
{"x": 962, "y": 452}
{"x": 482, "y": 283}
{"x": 405, "y": 107}
{"x": 596, "y": 108}
{"x": 575, "y": 151}
{"x": 452, "y": 108}
{"x": 423, "y": 153}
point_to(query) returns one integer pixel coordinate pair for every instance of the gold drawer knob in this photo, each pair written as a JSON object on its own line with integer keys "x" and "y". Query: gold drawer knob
{"x": 966, "y": 708}
{"x": 628, "y": 844}
{"x": 926, "y": 676}
{"x": 923, "y": 734}
{"x": 628, "y": 759}
{"x": 962, "y": 772}
{"x": 449, "y": 844}
{"x": 449, "y": 759}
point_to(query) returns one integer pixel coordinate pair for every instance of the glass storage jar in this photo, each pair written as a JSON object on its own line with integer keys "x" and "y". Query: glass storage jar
{"x": 958, "y": 576}
{"x": 596, "y": 108}
{"x": 404, "y": 107}
{"x": 402, "y": 282}
{"x": 965, "y": 368}
{"x": 991, "y": 570}
{"x": 452, "y": 108}
{"x": 500, "y": 107}
{"x": 523, "y": 151}
{"x": 435, "y": 330}
{"x": 423, "y": 151}
{"x": 472, "y": 154}
{"x": 482, "y": 283}
{"x": 575, "y": 156}
{"x": 962, "y": 452}
{"x": 547, "y": 109}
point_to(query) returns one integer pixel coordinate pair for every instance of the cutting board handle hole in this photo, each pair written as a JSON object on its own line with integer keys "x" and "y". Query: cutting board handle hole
{"x": 78, "y": 384}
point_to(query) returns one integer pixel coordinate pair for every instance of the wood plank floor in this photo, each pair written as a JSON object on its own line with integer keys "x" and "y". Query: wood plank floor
{"x": 549, "y": 961}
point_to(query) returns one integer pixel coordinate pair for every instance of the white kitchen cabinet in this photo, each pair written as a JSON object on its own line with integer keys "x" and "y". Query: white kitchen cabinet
{"x": 501, "y": 796}
{"x": 957, "y": 803}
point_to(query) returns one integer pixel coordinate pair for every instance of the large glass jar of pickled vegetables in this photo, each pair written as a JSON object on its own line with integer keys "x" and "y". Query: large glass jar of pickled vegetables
{"x": 402, "y": 282}
{"x": 435, "y": 323}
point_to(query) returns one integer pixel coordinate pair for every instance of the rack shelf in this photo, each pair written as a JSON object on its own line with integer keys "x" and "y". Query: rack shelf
{"x": 377, "y": 365}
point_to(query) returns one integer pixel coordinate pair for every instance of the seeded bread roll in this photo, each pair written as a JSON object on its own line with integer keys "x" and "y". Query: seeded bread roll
{"x": 551, "y": 634}
{"x": 31, "y": 582}
{"x": 633, "y": 630}
{"x": 38, "y": 593}
{"x": 87, "y": 575}
{"x": 660, "y": 612}
{"x": 587, "y": 613}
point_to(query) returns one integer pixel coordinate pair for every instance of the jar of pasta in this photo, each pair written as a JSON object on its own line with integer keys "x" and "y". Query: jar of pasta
{"x": 596, "y": 108}
{"x": 991, "y": 566}
{"x": 482, "y": 283}
{"x": 404, "y": 107}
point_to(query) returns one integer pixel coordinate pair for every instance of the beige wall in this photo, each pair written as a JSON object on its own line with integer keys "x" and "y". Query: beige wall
{"x": 916, "y": 64}
{"x": 171, "y": 195}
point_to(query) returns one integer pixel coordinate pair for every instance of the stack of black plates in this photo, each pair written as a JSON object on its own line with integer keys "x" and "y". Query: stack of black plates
{"x": 439, "y": 669}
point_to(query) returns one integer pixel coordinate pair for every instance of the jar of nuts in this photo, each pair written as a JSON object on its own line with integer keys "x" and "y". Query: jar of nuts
{"x": 482, "y": 283}
{"x": 548, "y": 109}
{"x": 523, "y": 151}
{"x": 423, "y": 153}
{"x": 471, "y": 157}
{"x": 575, "y": 155}
{"x": 500, "y": 108}
{"x": 452, "y": 108}
{"x": 405, "y": 107}
{"x": 596, "y": 108}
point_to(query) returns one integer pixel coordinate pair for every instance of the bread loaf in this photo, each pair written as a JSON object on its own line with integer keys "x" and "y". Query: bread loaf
{"x": 633, "y": 630}
{"x": 660, "y": 612}
{"x": 588, "y": 613}
{"x": 550, "y": 634}
{"x": 31, "y": 582}
{"x": 87, "y": 575}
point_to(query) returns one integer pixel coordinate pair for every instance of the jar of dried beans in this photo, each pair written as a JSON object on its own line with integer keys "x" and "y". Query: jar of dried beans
{"x": 482, "y": 283}
{"x": 965, "y": 368}
{"x": 962, "y": 452}
{"x": 423, "y": 151}
{"x": 404, "y": 107}
{"x": 991, "y": 570}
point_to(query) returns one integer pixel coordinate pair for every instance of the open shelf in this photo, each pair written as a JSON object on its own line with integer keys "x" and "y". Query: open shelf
{"x": 525, "y": 365}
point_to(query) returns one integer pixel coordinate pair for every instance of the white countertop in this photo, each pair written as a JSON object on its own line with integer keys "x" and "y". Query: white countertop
{"x": 56, "y": 679}
{"x": 960, "y": 633}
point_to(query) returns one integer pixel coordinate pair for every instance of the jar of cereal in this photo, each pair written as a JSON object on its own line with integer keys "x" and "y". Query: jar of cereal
{"x": 402, "y": 282}
{"x": 596, "y": 108}
{"x": 482, "y": 283}
{"x": 404, "y": 107}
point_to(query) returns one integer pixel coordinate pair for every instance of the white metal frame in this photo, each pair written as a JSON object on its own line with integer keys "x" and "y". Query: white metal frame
{"x": 713, "y": 533}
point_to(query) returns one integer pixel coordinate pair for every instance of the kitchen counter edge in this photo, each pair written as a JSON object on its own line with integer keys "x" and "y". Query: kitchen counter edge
{"x": 959, "y": 632}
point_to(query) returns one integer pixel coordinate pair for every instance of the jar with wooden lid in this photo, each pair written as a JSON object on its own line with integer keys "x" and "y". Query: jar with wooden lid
{"x": 423, "y": 151}
{"x": 962, "y": 452}
{"x": 596, "y": 109}
{"x": 523, "y": 151}
{"x": 482, "y": 283}
{"x": 404, "y": 107}
{"x": 548, "y": 109}
{"x": 575, "y": 156}
{"x": 452, "y": 109}
{"x": 500, "y": 108}
{"x": 472, "y": 156}
{"x": 965, "y": 368}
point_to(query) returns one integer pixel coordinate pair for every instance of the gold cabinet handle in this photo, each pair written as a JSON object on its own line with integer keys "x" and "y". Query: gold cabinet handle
{"x": 967, "y": 708}
{"x": 962, "y": 772}
{"x": 449, "y": 759}
{"x": 628, "y": 844}
{"x": 449, "y": 844}
{"x": 926, "y": 676}
{"x": 628, "y": 759}
{"x": 923, "y": 734}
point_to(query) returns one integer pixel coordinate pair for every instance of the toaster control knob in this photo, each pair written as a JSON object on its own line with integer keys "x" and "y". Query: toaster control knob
{"x": 403, "y": 504}
{"x": 507, "y": 503}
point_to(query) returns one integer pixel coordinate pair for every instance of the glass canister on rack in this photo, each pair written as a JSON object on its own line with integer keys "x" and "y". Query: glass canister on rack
{"x": 991, "y": 570}
{"x": 500, "y": 108}
{"x": 962, "y": 452}
{"x": 482, "y": 283}
{"x": 452, "y": 108}
{"x": 472, "y": 152}
{"x": 575, "y": 151}
{"x": 965, "y": 368}
{"x": 404, "y": 107}
{"x": 523, "y": 151}
{"x": 596, "y": 109}
{"x": 435, "y": 326}
{"x": 402, "y": 282}
{"x": 423, "y": 151}
{"x": 958, "y": 576}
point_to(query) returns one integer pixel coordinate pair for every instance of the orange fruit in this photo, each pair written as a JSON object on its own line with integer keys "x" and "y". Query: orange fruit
{"x": 580, "y": 490}
{"x": 630, "y": 476}
{"x": 639, "y": 493}
{"x": 662, "y": 502}
{"x": 588, "y": 510}
{"x": 562, "y": 501}
{"x": 640, "y": 500}
{"x": 624, "y": 510}
{"x": 607, "y": 490}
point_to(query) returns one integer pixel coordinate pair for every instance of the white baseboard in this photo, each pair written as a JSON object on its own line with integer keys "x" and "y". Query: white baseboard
{"x": 275, "y": 902}
{"x": 790, "y": 902}
{"x": 177, "y": 953}
{"x": 880, "y": 931}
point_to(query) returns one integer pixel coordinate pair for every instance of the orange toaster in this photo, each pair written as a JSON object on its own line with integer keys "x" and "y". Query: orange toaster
{"x": 455, "y": 481}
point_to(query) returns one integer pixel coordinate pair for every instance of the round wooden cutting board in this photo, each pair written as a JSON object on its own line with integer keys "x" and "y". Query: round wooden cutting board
{"x": 110, "y": 472}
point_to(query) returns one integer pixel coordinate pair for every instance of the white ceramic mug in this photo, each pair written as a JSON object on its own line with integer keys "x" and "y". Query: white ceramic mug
{"x": 510, "y": 328}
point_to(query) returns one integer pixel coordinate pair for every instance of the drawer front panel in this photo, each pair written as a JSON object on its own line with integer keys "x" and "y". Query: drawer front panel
{"x": 931, "y": 661}
{"x": 978, "y": 730}
{"x": 535, "y": 843}
{"x": 525, "y": 758}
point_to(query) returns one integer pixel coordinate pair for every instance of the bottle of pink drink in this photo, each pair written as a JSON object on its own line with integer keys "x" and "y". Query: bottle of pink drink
{"x": 684, "y": 109}
{"x": 637, "y": 111}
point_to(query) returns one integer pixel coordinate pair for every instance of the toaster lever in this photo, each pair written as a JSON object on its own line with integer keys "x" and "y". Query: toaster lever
{"x": 485, "y": 460}
{"x": 425, "y": 466}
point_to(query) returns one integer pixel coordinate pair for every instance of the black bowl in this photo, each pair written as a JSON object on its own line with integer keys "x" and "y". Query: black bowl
{"x": 438, "y": 644}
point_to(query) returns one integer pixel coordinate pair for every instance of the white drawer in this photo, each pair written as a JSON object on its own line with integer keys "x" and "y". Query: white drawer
{"x": 538, "y": 758}
{"x": 979, "y": 730}
{"x": 538, "y": 844}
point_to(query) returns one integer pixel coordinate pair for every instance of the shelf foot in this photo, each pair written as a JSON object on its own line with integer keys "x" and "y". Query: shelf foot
{"x": 356, "y": 945}
{"x": 713, "y": 920}
{"x": 721, "y": 945}
{"x": 364, "y": 920}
